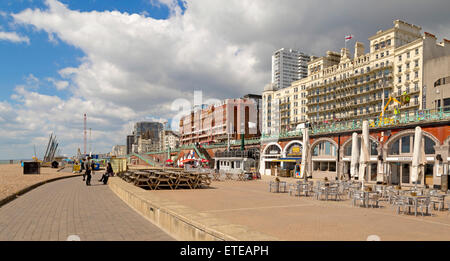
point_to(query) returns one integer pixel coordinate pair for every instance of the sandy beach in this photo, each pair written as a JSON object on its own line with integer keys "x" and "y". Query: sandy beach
{"x": 12, "y": 179}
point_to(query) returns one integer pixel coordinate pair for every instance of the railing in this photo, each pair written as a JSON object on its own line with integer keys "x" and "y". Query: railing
{"x": 405, "y": 118}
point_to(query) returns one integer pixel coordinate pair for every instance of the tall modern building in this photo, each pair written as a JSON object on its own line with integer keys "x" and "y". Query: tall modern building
{"x": 146, "y": 137}
{"x": 288, "y": 66}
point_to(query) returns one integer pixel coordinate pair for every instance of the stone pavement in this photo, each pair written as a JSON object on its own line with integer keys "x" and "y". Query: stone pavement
{"x": 56, "y": 210}
{"x": 249, "y": 203}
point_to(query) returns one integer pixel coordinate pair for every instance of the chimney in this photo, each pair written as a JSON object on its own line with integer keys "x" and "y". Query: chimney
{"x": 359, "y": 49}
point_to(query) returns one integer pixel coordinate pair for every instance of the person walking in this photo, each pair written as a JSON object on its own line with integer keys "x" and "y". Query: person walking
{"x": 88, "y": 172}
{"x": 92, "y": 167}
{"x": 83, "y": 167}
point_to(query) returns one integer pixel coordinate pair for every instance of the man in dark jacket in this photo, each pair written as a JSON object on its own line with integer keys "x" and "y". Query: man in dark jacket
{"x": 88, "y": 171}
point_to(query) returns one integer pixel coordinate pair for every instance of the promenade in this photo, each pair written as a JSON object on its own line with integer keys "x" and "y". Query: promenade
{"x": 249, "y": 203}
{"x": 56, "y": 210}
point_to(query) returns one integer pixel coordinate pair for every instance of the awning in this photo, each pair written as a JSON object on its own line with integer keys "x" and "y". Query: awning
{"x": 187, "y": 160}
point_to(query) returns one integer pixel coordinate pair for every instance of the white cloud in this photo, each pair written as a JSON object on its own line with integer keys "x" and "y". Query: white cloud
{"x": 135, "y": 66}
{"x": 60, "y": 85}
{"x": 14, "y": 37}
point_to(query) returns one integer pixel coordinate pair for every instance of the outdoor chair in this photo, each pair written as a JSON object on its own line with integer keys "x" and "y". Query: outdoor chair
{"x": 375, "y": 198}
{"x": 358, "y": 196}
{"x": 424, "y": 204}
{"x": 437, "y": 199}
{"x": 398, "y": 202}
{"x": 334, "y": 192}
{"x": 294, "y": 189}
{"x": 407, "y": 203}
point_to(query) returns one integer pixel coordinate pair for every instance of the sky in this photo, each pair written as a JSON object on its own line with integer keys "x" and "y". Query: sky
{"x": 126, "y": 61}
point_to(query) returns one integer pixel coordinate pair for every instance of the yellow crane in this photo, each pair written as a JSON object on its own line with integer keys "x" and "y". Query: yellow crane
{"x": 404, "y": 99}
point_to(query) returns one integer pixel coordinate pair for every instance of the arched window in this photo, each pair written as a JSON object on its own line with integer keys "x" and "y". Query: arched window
{"x": 405, "y": 144}
{"x": 294, "y": 149}
{"x": 273, "y": 149}
{"x": 373, "y": 148}
{"x": 324, "y": 148}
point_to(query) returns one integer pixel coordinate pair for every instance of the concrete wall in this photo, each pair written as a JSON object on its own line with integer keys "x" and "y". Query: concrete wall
{"x": 181, "y": 222}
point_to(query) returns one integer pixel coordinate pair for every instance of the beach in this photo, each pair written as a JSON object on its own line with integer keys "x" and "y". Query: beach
{"x": 12, "y": 179}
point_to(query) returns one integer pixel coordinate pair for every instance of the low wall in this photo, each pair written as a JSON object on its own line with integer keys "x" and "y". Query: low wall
{"x": 179, "y": 221}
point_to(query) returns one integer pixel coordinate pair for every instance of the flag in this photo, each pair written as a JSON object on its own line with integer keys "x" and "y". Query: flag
{"x": 348, "y": 37}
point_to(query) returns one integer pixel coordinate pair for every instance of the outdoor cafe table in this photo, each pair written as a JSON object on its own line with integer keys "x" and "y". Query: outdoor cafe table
{"x": 216, "y": 176}
{"x": 229, "y": 175}
{"x": 303, "y": 187}
{"x": 367, "y": 197}
{"x": 326, "y": 190}
{"x": 241, "y": 176}
{"x": 414, "y": 200}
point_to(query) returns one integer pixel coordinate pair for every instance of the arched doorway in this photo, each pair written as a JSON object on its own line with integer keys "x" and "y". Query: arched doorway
{"x": 373, "y": 166}
{"x": 270, "y": 156}
{"x": 399, "y": 150}
{"x": 324, "y": 157}
{"x": 292, "y": 154}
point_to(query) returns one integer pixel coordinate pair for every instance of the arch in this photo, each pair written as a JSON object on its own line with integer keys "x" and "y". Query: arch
{"x": 349, "y": 141}
{"x": 400, "y": 134}
{"x": 446, "y": 141}
{"x": 284, "y": 152}
{"x": 320, "y": 140}
{"x": 270, "y": 144}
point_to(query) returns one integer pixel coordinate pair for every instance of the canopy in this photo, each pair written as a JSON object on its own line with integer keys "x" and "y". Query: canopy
{"x": 364, "y": 156}
{"x": 416, "y": 155}
{"x": 305, "y": 147}
{"x": 169, "y": 160}
{"x": 187, "y": 160}
{"x": 205, "y": 161}
{"x": 355, "y": 156}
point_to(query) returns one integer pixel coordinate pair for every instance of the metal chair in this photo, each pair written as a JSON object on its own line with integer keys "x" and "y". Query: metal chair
{"x": 424, "y": 204}
{"x": 357, "y": 196}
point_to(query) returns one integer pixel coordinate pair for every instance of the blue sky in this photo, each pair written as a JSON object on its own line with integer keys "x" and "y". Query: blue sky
{"x": 43, "y": 58}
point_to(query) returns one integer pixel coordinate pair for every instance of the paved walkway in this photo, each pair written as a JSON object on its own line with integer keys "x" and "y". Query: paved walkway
{"x": 67, "y": 207}
{"x": 250, "y": 203}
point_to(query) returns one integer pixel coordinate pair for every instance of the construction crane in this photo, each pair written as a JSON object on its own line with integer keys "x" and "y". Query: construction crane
{"x": 404, "y": 99}
{"x": 85, "y": 133}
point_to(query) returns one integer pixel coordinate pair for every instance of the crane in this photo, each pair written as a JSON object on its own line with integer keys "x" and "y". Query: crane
{"x": 404, "y": 99}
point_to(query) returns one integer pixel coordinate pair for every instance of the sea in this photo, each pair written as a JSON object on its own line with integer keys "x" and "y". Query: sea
{"x": 13, "y": 161}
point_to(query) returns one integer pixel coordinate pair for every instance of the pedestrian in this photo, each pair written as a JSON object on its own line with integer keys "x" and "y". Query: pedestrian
{"x": 83, "y": 167}
{"x": 88, "y": 172}
{"x": 92, "y": 167}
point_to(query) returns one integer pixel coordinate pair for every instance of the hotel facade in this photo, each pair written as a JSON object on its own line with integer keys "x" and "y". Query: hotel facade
{"x": 342, "y": 87}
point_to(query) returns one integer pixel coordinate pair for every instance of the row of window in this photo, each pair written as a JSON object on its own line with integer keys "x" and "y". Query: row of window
{"x": 408, "y": 55}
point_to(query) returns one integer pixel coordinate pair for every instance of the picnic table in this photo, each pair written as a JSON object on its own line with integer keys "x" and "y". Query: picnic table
{"x": 158, "y": 179}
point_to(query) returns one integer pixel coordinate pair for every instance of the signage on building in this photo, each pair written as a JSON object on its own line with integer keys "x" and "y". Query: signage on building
{"x": 399, "y": 159}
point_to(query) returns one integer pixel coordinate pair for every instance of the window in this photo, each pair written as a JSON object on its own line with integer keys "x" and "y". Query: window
{"x": 387, "y": 53}
{"x": 417, "y": 51}
{"x": 407, "y": 77}
{"x": 388, "y": 42}
{"x": 406, "y": 146}
{"x": 407, "y": 66}
{"x": 407, "y": 55}
{"x": 399, "y": 58}
{"x": 399, "y": 68}
{"x": 416, "y": 74}
{"x": 416, "y": 63}
{"x": 376, "y": 56}
{"x": 399, "y": 79}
